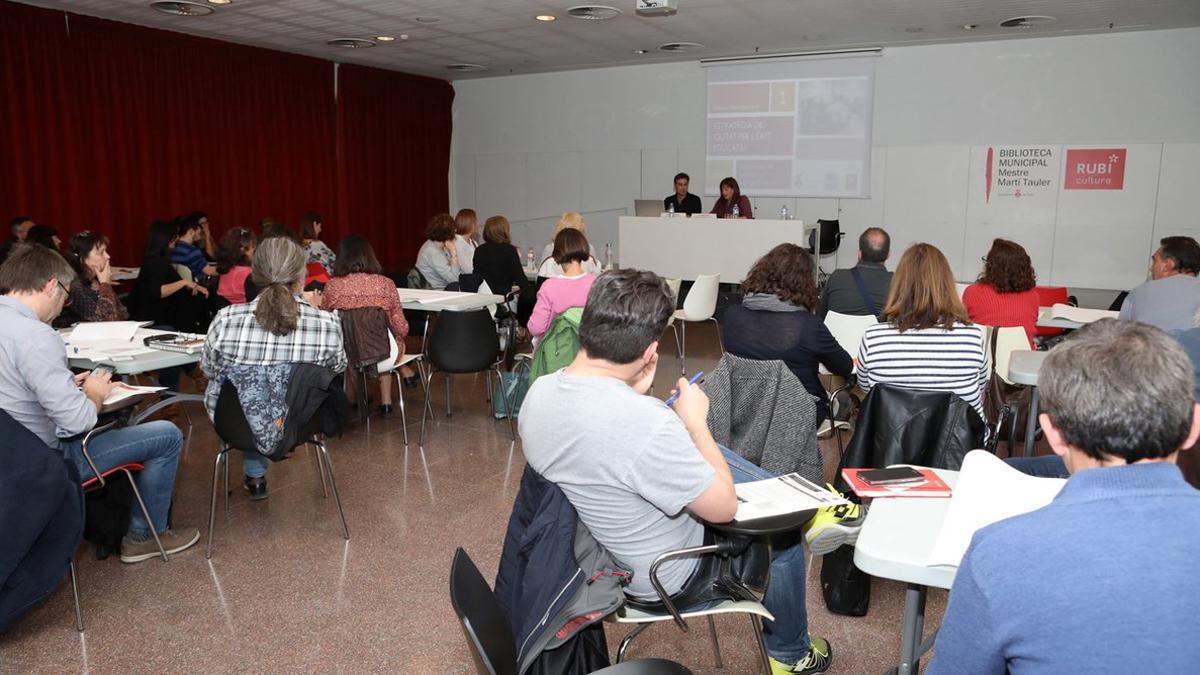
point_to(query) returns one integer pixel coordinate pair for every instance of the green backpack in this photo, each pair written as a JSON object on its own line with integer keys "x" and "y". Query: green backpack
{"x": 558, "y": 346}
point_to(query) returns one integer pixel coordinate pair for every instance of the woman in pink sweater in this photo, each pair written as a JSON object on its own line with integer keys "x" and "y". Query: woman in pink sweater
{"x": 571, "y": 289}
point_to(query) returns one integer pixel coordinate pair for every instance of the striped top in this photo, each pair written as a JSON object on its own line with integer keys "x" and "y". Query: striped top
{"x": 931, "y": 359}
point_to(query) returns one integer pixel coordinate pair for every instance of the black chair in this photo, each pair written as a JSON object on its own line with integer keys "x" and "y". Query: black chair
{"x": 229, "y": 421}
{"x": 490, "y": 638}
{"x": 465, "y": 342}
{"x": 824, "y": 240}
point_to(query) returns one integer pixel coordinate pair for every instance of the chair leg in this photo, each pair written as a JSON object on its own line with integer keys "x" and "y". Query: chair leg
{"x": 320, "y": 470}
{"x": 762, "y": 646}
{"x": 75, "y": 594}
{"x": 712, "y": 634}
{"x": 448, "y": 394}
{"x": 427, "y": 382}
{"x": 222, "y": 456}
{"x": 508, "y": 404}
{"x": 146, "y": 513}
{"x": 400, "y": 400}
{"x": 225, "y": 492}
{"x": 683, "y": 347}
{"x": 333, "y": 485}
{"x": 625, "y": 642}
{"x": 424, "y": 377}
{"x": 678, "y": 347}
{"x": 720, "y": 341}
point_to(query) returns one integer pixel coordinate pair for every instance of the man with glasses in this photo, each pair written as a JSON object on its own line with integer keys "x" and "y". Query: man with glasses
{"x": 39, "y": 391}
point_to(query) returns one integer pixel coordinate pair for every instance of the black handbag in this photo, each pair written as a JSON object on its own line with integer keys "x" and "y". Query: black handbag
{"x": 846, "y": 588}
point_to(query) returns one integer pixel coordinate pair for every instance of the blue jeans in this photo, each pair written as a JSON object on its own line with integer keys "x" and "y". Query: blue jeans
{"x": 156, "y": 446}
{"x": 1046, "y": 466}
{"x": 254, "y": 463}
{"x": 786, "y": 636}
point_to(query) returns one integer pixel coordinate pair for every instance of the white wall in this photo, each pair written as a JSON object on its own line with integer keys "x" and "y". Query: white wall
{"x": 532, "y": 146}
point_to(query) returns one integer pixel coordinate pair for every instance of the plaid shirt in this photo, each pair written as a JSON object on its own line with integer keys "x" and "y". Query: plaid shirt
{"x": 235, "y": 338}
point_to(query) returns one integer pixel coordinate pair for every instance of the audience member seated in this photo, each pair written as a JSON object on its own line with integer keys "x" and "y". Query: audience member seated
{"x": 276, "y": 328}
{"x": 775, "y": 321}
{"x": 1004, "y": 295}
{"x": 927, "y": 341}
{"x": 205, "y": 241}
{"x": 92, "y": 296}
{"x": 559, "y": 294}
{"x": 160, "y": 294}
{"x": 187, "y": 253}
{"x": 316, "y": 251}
{"x": 732, "y": 203}
{"x": 40, "y": 392}
{"x": 1172, "y": 296}
{"x": 643, "y": 476}
{"x": 845, "y": 295}
{"x": 466, "y": 232}
{"x": 1107, "y": 580}
{"x": 438, "y": 258}
{"x": 44, "y": 235}
{"x": 18, "y": 227}
{"x": 358, "y": 282}
{"x": 549, "y": 269}
{"x": 498, "y": 263}
{"x": 234, "y": 258}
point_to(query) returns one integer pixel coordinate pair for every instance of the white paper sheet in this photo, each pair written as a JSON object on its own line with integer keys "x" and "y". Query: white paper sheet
{"x": 1080, "y": 314}
{"x": 95, "y": 331}
{"x": 122, "y": 391}
{"x": 785, "y": 494}
{"x": 988, "y": 491}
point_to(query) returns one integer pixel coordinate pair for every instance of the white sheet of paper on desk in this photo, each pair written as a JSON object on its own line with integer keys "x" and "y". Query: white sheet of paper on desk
{"x": 988, "y": 491}
{"x": 1080, "y": 314}
{"x": 96, "y": 331}
{"x": 122, "y": 391}
{"x": 784, "y": 494}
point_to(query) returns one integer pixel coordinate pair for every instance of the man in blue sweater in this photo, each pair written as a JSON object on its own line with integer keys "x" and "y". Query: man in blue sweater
{"x": 1103, "y": 579}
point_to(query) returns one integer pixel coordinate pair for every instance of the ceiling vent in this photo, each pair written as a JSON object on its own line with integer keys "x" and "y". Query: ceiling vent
{"x": 593, "y": 12}
{"x": 465, "y": 67}
{"x": 1027, "y": 21}
{"x": 680, "y": 47}
{"x": 182, "y": 8}
{"x": 351, "y": 43}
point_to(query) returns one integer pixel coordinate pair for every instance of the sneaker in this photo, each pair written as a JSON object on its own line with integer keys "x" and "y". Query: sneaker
{"x": 173, "y": 541}
{"x": 824, "y": 430}
{"x": 257, "y": 487}
{"x": 833, "y": 526}
{"x": 818, "y": 660}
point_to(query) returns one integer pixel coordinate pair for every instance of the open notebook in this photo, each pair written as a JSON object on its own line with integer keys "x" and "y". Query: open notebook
{"x": 988, "y": 490}
{"x": 1080, "y": 314}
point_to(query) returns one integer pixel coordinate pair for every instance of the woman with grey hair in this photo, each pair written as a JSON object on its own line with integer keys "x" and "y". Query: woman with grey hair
{"x": 255, "y": 345}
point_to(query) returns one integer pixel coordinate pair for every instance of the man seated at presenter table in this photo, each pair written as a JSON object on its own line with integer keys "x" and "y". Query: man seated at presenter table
{"x": 842, "y": 292}
{"x": 643, "y": 475}
{"x": 1172, "y": 296}
{"x": 682, "y": 201}
{"x": 1103, "y": 579}
{"x": 39, "y": 391}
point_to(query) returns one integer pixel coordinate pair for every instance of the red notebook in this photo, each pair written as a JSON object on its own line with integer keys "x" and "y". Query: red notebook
{"x": 932, "y": 486}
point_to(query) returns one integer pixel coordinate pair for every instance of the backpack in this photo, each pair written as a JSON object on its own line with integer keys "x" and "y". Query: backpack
{"x": 558, "y": 346}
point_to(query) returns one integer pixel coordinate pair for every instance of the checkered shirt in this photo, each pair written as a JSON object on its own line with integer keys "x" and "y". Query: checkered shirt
{"x": 236, "y": 338}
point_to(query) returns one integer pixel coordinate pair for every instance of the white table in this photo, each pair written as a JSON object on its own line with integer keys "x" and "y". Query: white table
{"x": 897, "y": 537}
{"x": 1023, "y": 366}
{"x": 125, "y": 273}
{"x": 682, "y": 248}
{"x": 446, "y": 301}
{"x": 138, "y": 364}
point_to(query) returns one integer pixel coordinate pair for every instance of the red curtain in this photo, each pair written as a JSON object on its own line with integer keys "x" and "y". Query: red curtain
{"x": 107, "y": 126}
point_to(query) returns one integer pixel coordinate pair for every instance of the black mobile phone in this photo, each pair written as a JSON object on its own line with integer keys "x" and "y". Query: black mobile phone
{"x": 893, "y": 476}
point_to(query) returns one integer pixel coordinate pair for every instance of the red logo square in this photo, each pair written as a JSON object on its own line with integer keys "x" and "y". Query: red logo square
{"x": 1095, "y": 169}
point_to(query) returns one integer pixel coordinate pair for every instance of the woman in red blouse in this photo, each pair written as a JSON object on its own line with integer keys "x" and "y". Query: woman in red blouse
{"x": 92, "y": 295}
{"x": 1004, "y": 295}
{"x": 732, "y": 198}
{"x": 357, "y": 283}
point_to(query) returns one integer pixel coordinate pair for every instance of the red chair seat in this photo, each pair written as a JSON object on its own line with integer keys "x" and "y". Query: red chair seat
{"x": 1048, "y": 296}
{"x": 132, "y": 466}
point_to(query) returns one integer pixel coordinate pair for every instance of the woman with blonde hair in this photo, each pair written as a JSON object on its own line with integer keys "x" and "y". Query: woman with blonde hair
{"x": 926, "y": 340}
{"x": 548, "y": 267}
{"x": 466, "y": 230}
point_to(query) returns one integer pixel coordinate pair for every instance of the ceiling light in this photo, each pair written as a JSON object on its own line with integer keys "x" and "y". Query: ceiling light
{"x": 639, "y": 51}
{"x": 350, "y": 43}
{"x": 464, "y": 67}
{"x": 380, "y": 38}
{"x": 677, "y": 47}
{"x": 593, "y": 12}
{"x": 970, "y": 26}
{"x": 545, "y": 17}
{"x": 1026, "y": 21}
{"x": 219, "y": 2}
{"x": 181, "y": 8}
{"x": 427, "y": 19}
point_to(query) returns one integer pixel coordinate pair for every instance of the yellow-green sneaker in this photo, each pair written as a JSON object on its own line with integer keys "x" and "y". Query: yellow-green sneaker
{"x": 833, "y": 526}
{"x": 818, "y": 660}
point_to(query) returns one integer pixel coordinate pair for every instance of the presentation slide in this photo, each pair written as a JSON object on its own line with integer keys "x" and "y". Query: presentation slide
{"x": 798, "y": 128}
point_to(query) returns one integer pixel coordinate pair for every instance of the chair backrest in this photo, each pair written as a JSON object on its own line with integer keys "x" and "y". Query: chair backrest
{"x": 848, "y": 329}
{"x": 828, "y": 234}
{"x": 701, "y": 301}
{"x": 674, "y": 285}
{"x": 184, "y": 271}
{"x": 463, "y": 342}
{"x": 366, "y": 332}
{"x": 1008, "y": 339}
{"x": 484, "y": 626}
{"x": 962, "y": 288}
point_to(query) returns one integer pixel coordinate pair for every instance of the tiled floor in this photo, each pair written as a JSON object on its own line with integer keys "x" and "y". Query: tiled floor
{"x": 285, "y": 593}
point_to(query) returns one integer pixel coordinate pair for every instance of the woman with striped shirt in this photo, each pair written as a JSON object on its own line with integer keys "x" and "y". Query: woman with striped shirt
{"x": 926, "y": 341}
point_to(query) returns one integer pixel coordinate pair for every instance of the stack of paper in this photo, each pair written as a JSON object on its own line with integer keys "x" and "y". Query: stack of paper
{"x": 988, "y": 491}
{"x": 122, "y": 391}
{"x": 784, "y": 494}
{"x": 1080, "y": 314}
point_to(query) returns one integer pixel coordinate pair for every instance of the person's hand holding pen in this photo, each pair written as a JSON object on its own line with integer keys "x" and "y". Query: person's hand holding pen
{"x": 690, "y": 402}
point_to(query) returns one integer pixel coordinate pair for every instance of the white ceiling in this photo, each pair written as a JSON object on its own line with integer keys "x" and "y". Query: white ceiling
{"x": 503, "y": 35}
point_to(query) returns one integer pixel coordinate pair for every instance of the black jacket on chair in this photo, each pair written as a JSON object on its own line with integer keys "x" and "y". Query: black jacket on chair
{"x": 41, "y": 519}
{"x": 908, "y": 426}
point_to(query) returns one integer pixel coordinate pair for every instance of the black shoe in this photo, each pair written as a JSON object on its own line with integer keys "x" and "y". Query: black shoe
{"x": 412, "y": 381}
{"x": 386, "y": 410}
{"x": 257, "y": 487}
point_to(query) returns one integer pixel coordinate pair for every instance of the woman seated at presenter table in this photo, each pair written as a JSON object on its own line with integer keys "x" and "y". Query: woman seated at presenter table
{"x": 732, "y": 203}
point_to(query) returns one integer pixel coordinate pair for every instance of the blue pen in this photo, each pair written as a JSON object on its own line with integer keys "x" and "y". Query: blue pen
{"x": 675, "y": 397}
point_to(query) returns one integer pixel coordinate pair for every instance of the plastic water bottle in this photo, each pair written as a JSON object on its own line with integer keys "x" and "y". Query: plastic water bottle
{"x": 783, "y": 213}
{"x": 735, "y": 212}
{"x": 608, "y": 258}
{"x": 671, "y": 207}
{"x": 529, "y": 259}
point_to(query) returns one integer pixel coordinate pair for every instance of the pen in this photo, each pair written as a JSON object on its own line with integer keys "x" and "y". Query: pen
{"x": 675, "y": 397}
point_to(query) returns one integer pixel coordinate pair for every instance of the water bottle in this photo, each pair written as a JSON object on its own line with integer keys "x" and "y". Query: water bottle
{"x": 671, "y": 207}
{"x": 608, "y": 258}
{"x": 735, "y": 212}
{"x": 529, "y": 259}
{"x": 783, "y": 213}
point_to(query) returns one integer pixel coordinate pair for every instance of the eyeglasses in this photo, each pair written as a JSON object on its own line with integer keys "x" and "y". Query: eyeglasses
{"x": 65, "y": 290}
{"x": 984, "y": 258}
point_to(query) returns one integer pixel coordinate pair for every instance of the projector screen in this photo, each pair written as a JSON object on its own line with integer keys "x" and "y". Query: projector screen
{"x": 798, "y": 128}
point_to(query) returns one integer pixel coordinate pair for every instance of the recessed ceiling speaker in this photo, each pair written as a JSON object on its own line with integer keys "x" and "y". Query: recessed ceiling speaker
{"x": 465, "y": 67}
{"x": 181, "y": 8}
{"x": 1027, "y": 21}
{"x": 351, "y": 43}
{"x": 593, "y": 12}
{"x": 680, "y": 47}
